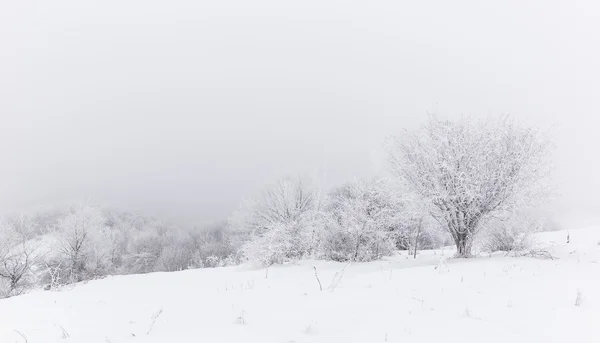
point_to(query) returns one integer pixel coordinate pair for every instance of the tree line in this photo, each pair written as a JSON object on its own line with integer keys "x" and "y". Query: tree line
{"x": 448, "y": 182}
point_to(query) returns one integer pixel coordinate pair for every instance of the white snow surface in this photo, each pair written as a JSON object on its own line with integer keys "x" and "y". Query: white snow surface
{"x": 486, "y": 299}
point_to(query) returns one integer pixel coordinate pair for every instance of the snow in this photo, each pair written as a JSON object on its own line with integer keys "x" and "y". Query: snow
{"x": 493, "y": 298}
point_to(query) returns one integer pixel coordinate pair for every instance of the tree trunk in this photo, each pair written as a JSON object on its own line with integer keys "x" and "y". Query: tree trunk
{"x": 356, "y": 249}
{"x": 417, "y": 237}
{"x": 358, "y": 242}
{"x": 463, "y": 245}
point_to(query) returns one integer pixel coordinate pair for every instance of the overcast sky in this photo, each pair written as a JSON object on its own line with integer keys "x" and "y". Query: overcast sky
{"x": 181, "y": 108}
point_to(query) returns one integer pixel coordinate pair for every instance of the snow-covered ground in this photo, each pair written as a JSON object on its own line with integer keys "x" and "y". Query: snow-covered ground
{"x": 487, "y": 299}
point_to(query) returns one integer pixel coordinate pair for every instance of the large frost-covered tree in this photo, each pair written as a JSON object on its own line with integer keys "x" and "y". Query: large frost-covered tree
{"x": 469, "y": 171}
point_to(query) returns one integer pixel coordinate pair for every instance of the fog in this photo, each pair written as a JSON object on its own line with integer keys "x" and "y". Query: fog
{"x": 180, "y": 109}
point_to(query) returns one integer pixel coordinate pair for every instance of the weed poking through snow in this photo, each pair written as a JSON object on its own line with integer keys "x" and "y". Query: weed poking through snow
{"x": 64, "y": 333}
{"x": 22, "y": 336}
{"x": 317, "y": 276}
{"x": 241, "y": 319}
{"x": 310, "y": 328}
{"x": 337, "y": 278}
{"x": 578, "y": 299}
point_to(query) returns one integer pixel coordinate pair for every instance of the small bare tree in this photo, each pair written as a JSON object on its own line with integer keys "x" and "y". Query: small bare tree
{"x": 17, "y": 255}
{"x": 470, "y": 171}
{"x": 80, "y": 240}
{"x": 15, "y": 265}
{"x": 285, "y": 202}
{"x": 418, "y": 232}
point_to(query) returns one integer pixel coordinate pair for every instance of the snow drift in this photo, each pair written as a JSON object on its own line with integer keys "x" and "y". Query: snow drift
{"x": 492, "y": 298}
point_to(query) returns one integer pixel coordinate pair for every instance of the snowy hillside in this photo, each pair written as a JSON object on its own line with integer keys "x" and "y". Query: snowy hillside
{"x": 487, "y": 299}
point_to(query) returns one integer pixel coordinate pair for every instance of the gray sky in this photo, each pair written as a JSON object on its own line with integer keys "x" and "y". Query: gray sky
{"x": 181, "y": 108}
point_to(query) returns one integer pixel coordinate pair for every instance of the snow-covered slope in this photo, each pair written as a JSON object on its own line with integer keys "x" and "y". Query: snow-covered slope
{"x": 487, "y": 299}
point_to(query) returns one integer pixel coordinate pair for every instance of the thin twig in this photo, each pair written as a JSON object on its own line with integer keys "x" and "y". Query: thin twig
{"x": 419, "y": 300}
{"x": 154, "y": 318}
{"x": 22, "y": 335}
{"x": 337, "y": 278}
{"x": 317, "y": 276}
{"x": 65, "y": 333}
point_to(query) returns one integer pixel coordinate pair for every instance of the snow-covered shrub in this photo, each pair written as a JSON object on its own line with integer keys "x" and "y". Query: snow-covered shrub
{"x": 343, "y": 246}
{"x": 280, "y": 222}
{"x": 512, "y": 234}
{"x": 197, "y": 261}
{"x": 359, "y": 222}
{"x": 143, "y": 251}
{"x": 336, "y": 244}
{"x": 174, "y": 258}
{"x": 213, "y": 261}
{"x": 418, "y": 231}
{"x": 55, "y": 273}
{"x": 201, "y": 260}
{"x": 213, "y": 247}
{"x": 139, "y": 263}
{"x": 277, "y": 244}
